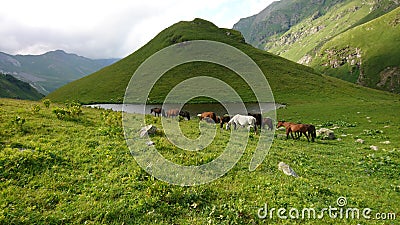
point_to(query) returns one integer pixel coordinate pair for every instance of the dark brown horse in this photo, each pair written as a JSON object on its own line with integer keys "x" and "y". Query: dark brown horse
{"x": 185, "y": 114}
{"x": 311, "y": 131}
{"x": 269, "y": 122}
{"x": 157, "y": 111}
{"x": 258, "y": 117}
{"x": 224, "y": 119}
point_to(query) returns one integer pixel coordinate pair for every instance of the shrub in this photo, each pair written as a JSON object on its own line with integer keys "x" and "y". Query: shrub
{"x": 46, "y": 103}
{"x": 18, "y": 121}
{"x": 113, "y": 122}
{"x": 71, "y": 112}
{"x": 35, "y": 109}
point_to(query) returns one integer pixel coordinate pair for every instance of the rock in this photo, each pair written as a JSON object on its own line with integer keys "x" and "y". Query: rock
{"x": 150, "y": 143}
{"x": 149, "y": 129}
{"x": 325, "y": 133}
{"x": 361, "y": 141}
{"x": 286, "y": 169}
{"x": 373, "y": 147}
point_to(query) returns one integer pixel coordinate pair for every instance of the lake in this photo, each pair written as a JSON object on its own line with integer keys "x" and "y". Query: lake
{"x": 194, "y": 109}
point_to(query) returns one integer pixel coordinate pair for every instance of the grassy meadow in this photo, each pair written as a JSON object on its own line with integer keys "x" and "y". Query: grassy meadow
{"x": 77, "y": 168}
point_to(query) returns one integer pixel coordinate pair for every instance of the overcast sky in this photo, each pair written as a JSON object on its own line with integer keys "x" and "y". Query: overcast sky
{"x": 105, "y": 28}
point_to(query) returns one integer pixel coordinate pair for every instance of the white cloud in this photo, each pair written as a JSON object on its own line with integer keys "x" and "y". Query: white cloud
{"x": 103, "y": 28}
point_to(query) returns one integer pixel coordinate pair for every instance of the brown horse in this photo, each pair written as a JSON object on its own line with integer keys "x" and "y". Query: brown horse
{"x": 172, "y": 113}
{"x": 157, "y": 111}
{"x": 286, "y": 125}
{"x": 211, "y": 115}
{"x": 298, "y": 129}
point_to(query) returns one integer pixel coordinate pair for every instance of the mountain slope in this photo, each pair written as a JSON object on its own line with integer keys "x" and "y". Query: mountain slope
{"x": 279, "y": 17}
{"x": 367, "y": 54}
{"x": 302, "y": 41}
{"x": 290, "y": 82}
{"x": 10, "y": 87}
{"x": 51, "y": 70}
{"x": 294, "y": 28}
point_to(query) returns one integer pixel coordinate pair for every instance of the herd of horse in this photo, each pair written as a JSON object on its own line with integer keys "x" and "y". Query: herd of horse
{"x": 252, "y": 120}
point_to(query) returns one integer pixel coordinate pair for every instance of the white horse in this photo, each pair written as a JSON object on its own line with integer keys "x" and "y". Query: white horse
{"x": 240, "y": 120}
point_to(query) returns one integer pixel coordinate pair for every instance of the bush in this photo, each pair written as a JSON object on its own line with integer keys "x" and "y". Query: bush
{"x": 46, "y": 103}
{"x": 18, "y": 121}
{"x": 113, "y": 122}
{"x": 35, "y": 109}
{"x": 71, "y": 112}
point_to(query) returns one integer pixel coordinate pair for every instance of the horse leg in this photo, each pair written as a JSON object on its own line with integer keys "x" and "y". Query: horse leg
{"x": 287, "y": 133}
{"x": 305, "y": 134}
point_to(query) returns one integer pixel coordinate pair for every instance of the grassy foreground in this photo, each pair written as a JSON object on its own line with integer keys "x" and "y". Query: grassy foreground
{"x": 78, "y": 170}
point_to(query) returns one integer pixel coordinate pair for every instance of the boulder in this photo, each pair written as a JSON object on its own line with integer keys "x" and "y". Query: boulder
{"x": 361, "y": 141}
{"x": 285, "y": 168}
{"x": 149, "y": 129}
{"x": 373, "y": 147}
{"x": 326, "y": 134}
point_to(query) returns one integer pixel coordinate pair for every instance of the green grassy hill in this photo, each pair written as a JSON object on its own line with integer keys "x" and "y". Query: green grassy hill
{"x": 289, "y": 81}
{"x": 11, "y": 87}
{"x": 368, "y": 54}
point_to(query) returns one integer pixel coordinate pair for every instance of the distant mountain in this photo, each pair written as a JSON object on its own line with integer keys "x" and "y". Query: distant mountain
{"x": 11, "y": 87}
{"x": 51, "y": 70}
{"x": 297, "y": 29}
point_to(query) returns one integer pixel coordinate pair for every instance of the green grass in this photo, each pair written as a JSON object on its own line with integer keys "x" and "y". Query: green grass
{"x": 79, "y": 169}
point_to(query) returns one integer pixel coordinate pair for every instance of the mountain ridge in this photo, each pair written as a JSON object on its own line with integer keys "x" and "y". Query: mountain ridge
{"x": 48, "y": 71}
{"x": 11, "y": 87}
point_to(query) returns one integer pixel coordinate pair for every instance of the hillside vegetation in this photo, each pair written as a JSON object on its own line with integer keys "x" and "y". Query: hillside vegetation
{"x": 290, "y": 82}
{"x": 11, "y": 87}
{"x": 307, "y": 29}
{"x": 367, "y": 54}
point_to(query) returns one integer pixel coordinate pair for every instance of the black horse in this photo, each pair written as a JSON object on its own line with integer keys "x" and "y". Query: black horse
{"x": 157, "y": 111}
{"x": 258, "y": 118}
{"x": 185, "y": 114}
